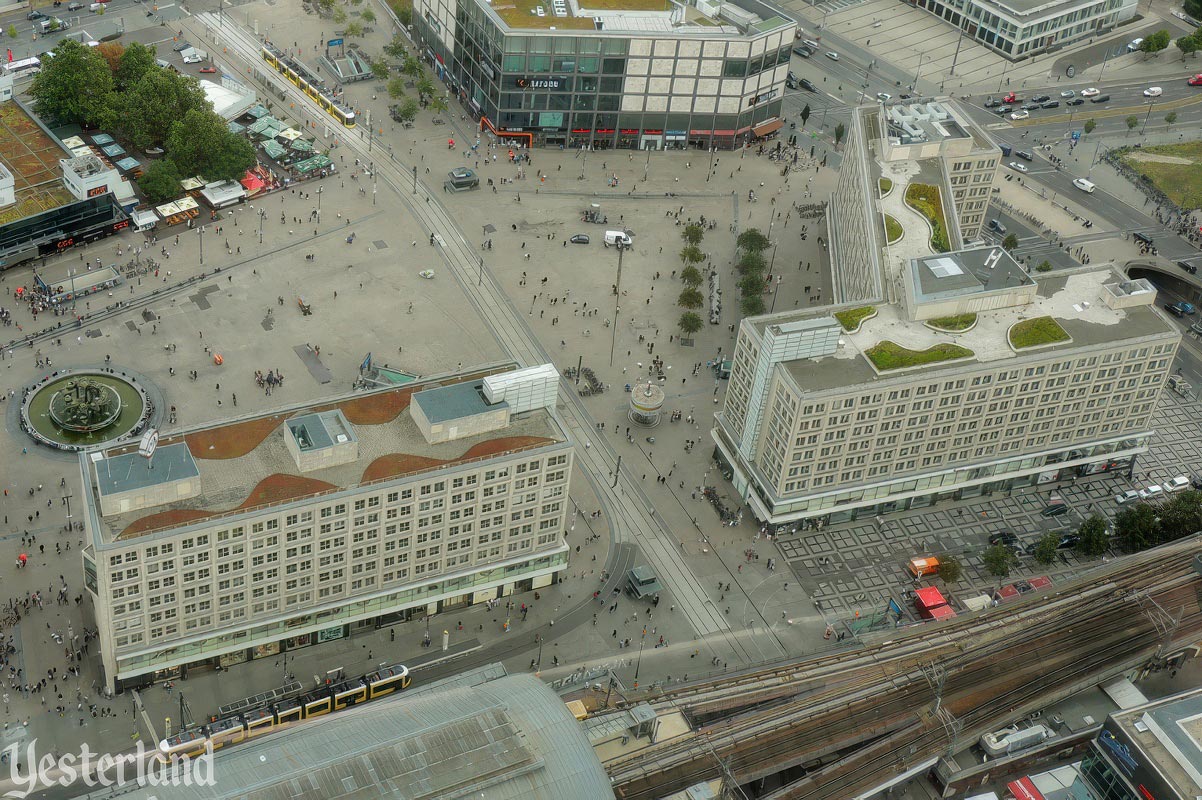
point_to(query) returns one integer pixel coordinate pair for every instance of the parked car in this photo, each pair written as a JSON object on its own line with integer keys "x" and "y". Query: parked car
{"x": 1090, "y": 92}
{"x": 181, "y": 46}
{"x": 1068, "y": 93}
{"x": 1188, "y": 308}
{"x": 1030, "y": 106}
{"x": 808, "y": 85}
{"x": 1129, "y": 496}
{"x": 1151, "y": 492}
{"x": 992, "y": 102}
{"x": 1175, "y": 309}
{"x": 1055, "y": 508}
{"x": 579, "y": 238}
{"x": 1050, "y": 104}
{"x": 1068, "y": 540}
{"x": 1102, "y": 98}
{"x": 208, "y": 70}
{"x": 790, "y": 83}
{"x": 1195, "y": 81}
{"x": 1076, "y": 101}
{"x": 1134, "y": 44}
{"x": 1192, "y": 269}
{"x": 75, "y": 6}
{"x": 1017, "y": 115}
{"x": 1043, "y": 98}
{"x": 1178, "y": 484}
{"x": 804, "y": 52}
{"x": 1008, "y": 540}
{"x": 1153, "y": 91}
{"x": 1002, "y": 110}
{"x": 1017, "y": 167}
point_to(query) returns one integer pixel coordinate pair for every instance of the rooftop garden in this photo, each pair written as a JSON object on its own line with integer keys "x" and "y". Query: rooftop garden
{"x": 1036, "y": 332}
{"x": 888, "y": 355}
{"x": 893, "y": 229}
{"x": 925, "y": 199}
{"x": 851, "y": 318}
{"x": 956, "y": 322}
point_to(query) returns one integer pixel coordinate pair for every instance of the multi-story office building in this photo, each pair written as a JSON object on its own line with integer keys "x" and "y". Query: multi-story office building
{"x": 980, "y": 379}
{"x": 935, "y": 148}
{"x": 637, "y": 74}
{"x": 1023, "y": 28}
{"x": 290, "y": 529}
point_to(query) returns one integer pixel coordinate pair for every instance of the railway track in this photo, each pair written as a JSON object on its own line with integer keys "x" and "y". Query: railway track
{"x": 844, "y": 723}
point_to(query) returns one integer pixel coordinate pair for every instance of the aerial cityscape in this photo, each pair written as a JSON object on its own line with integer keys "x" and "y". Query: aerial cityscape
{"x": 867, "y": 463}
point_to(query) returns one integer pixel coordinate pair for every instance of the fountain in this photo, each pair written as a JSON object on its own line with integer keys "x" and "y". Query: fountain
{"x": 74, "y": 409}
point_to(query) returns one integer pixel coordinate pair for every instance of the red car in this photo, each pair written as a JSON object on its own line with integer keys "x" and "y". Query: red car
{"x": 1010, "y": 98}
{"x": 208, "y": 69}
{"x": 1195, "y": 81}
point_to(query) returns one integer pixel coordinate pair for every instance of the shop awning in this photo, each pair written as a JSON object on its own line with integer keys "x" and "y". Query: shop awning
{"x": 1024, "y": 789}
{"x": 765, "y": 128}
{"x": 929, "y": 597}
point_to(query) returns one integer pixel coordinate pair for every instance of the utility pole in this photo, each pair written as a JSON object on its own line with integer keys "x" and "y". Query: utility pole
{"x": 617, "y": 471}
{"x": 201, "y": 231}
{"x": 617, "y": 306}
{"x": 480, "y": 282}
{"x": 1146, "y": 117}
{"x": 262, "y": 214}
{"x": 415, "y": 179}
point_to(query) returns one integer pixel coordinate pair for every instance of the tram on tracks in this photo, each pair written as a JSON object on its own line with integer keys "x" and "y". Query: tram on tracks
{"x": 305, "y": 80}
{"x": 327, "y": 699}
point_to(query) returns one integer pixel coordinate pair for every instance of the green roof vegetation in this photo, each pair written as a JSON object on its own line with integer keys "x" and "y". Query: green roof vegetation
{"x": 851, "y": 318}
{"x": 1034, "y": 332}
{"x": 886, "y": 186}
{"x": 893, "y": 229}
{"x": 888, "y": 355}
{"x": 956, "y": 322}
{"x": 924, "y": 198}
{"x": 522, "y": 14}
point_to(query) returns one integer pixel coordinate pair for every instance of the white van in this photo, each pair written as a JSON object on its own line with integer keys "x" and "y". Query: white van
{"x": 810, "y": 43}
{"x": 618, "y": 238}
{"x": 1084, "y": 185}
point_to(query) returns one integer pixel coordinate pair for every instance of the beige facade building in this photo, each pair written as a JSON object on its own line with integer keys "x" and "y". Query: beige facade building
{"x": 299, "y": 527}
{"x": 981, "y": 379}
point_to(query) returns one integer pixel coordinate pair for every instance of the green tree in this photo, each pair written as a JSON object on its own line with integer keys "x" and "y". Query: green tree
{"x": 1095, "y": 539}
{"x": 1188, "y": 45}
{"x": 950, "y": 569}
{"x": 1010, "y": 242}
{"x": 379, "y": 70}
{"x": 439, "y": 105}
{"x": 1137, "y": 527}
{"x": 689, "y": 323}
{"x": 354, "y": 29}
{"x": 690, "y": 298}
{"x": 1045, "y": 550}
{"x": 752, "y": 240}
{"x": 752, "y": 262}
{"x": 691, "y": 254}
{"x": 1170, "y": 117}
{"x": 74, "y": 86}
{"x": 408, "y": 110}
{"x": 751, "y": 283}
{"x": 805, "y": 114}
{"x": 1132, "y": 123}
{"x": 412, "y": 66}
{"x": 326, "y": 5}
{"x": 999, "y": 560}
{"x": 200, "y": 143}
{"x": 840, "y": 132}
{"x": 339, "y": 16}
{"x": 396, "y": 88}
{"x": 1193, "y": 8}
{"x": 1044, "y": 266}
{"x": 1155, "y": 42}
{"x": 1089, "y": 126}
{"x": 691, "y": 276}
{"x": 425, "y": 86}
{"x": 160, "y": 181}
{"x": 368, "y": 16}
{"x": 12, "y": 32}
{"x": 692, "y": 234}
{"x": 752, "y": 305}
{"x": 405, "y": 16}
{"x": 136, "y": 61}
{"x": 396, "y": 48}
{"x": 1181, "y": 516}
{"x": 149, "y": 108}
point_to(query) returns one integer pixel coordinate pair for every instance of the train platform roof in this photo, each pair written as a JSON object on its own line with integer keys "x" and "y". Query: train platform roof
{"x": 511, "y": 738}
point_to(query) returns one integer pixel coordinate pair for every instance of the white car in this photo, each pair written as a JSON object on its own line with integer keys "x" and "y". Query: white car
{"x": 1151, "y": 492}
{"x": 1134, "y": 45}
{"x": 192, "y": 59}
{"x": 1153, "y": 91}
{"x": 1017, "y": 167}
{"x": 884, "y": 97}
{"x": 1090, "y": 92}
{"x": 1020, "y": 115}
{"x": 1178, "y": 484}
{"x": 1084, "y": 185}
{"x": 1129, "y": 496}
{"x": 1068, "y": 93}
{"x": 832, "y": 55}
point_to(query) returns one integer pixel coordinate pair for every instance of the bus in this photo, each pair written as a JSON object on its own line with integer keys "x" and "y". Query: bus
{"x": 26, "y": 66}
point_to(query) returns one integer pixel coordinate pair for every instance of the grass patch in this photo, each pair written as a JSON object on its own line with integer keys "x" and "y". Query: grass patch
{"x": 1181, "y": 182}
{"x": 924, "y": 198}
{"x": 888, "y": 355}
{"x": 956, "y": 322}
{"x": 893, "y": 229}
{"x": 1034, "y": 332}
{"x": 886, "y": 186}
{"x": 851, "y": 318}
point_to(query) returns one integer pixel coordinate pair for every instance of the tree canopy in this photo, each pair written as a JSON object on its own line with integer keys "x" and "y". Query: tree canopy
{"x": 136, "y": 61}
{"x": 201, "y": 144}
{"x": 74, "y": 86}
{"x": 160, "y": 182}
{"x": 148, "y": 109}
{"x": 752, "y": 240}
{"x": 1155, "y": 42}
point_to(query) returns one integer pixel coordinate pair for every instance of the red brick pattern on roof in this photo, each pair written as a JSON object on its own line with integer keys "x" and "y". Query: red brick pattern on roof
{"x": 272, "y": 489}
{"x": 395, "y": 464}
{"x": 374, "y": 409}
{"x": 231, "y": 441}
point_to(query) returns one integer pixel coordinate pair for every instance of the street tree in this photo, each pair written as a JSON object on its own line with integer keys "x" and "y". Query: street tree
{"x": 1095, "y": 539}
{"x": 950, "y": 569}
{"x": 1137, "y": 528}
{"x": 412, "y": 66}
{"x": 403, "y": 13}
{"x": 752, "y": 305}
{"x": 1089, "y": 126}
{"x": 1044, "y": 266}
{"x": 340, "y": 16}
{"x": 805, "y": 114}
{"x": 74, "y": 86}
{"x": 691, "y": 276}
{"x": 840, "y": 132}
{"x": 326, "y": 5}
{"x": 148, "y": 109}
{"x": 689, "y": 323}
{"x": 368, "y": 16}
{"x": 1193, "y": 8}
{"x": 439, "y": 105}
{"x": 396, "y": 48}
{"x": 691, "y": 254}
{"x": 379, "y": 69}
{"x": 425, "y": 86}
{"x": 1155, "y": 42}
{"x": 1045, "y": 550}
{"x": 999, "y": 560}
{"x": 751, "y": 240}
{"x": 111, "y": 52}
{"x": 396, "y": 88}
{"x": 1132, "y": 123}
{"x": 1181, "y": 516}
{"x": 136, "y": 61}
{"x": 200, "y": 143}
{"x": 752, "y": 262}
{"x": 693, "y": 233}
{"x": 1188, "y": 45}
{"x": 408, "y": 110}
{"x": 160, "y": 181}
{"x": 1010, "y": 242}
{"x": 1170, "y": 117}
{"x": 751, "y": 283}
{"x": 690, "y": 298}
{"x": 354, "y": 29}
{"x": 12, "y": 32}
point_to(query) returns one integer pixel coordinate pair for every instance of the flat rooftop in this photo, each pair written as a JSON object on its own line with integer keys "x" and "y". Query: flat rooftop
{"x": 32, "y": 156}
{"x": 1169, "y": 732}
{"x": 466, "y": 399}
{"x": 629, "y": 16}
{"x": 1074, "y": 299}
{"x": 982, "y": 269}
{"x": 246, "y": 465}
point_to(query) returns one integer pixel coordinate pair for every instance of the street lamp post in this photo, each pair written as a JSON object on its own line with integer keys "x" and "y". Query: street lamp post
{"x": 613, "y": 337}
{"x": 262, "y": 214}
{"x": 480, "y": 282}
{"x": 1147, "y": 116}
{"x": 1094, "y": 160}
{"x": 921, "y": 56}
{"x": 201, "y": 232}
{"x": 639, "y": 664}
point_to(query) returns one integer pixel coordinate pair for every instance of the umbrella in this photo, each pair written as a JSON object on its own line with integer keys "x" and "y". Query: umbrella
{"x": 22, "y": 558}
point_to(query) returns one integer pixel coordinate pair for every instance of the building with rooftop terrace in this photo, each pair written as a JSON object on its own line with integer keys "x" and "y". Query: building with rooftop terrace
{"x": 927, "y": 167}
{"x": 241, "y": 539}
{"x": 979, "y": 379}
{"x": 1152, "y": 750}
{"x": 634, "y": 74}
